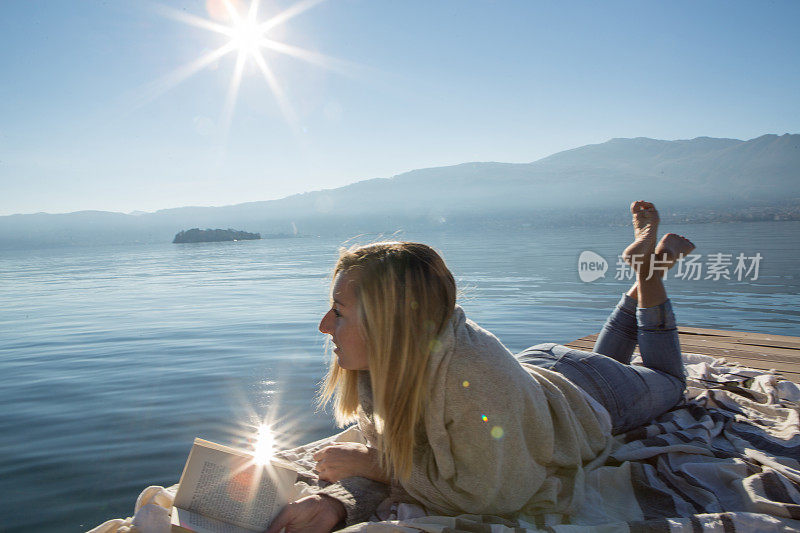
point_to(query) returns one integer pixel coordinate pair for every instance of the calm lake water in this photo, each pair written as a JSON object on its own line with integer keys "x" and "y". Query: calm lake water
{"x": 115, "y": 358}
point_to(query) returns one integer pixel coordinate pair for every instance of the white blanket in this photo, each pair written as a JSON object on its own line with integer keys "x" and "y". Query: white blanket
{"x": 726, "y": 459}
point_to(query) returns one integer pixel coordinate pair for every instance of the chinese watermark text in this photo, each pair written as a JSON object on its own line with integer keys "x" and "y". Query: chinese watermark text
{"x": 716, "y": 266}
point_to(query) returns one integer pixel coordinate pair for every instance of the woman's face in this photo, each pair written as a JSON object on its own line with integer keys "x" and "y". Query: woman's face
{"x": 342, "y": 323}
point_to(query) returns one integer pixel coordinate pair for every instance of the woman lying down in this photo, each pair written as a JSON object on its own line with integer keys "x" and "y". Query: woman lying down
{"x": 453, "y": 420}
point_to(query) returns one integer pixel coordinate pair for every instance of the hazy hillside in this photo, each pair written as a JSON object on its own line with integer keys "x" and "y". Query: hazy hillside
{"x": 714, "y": 173}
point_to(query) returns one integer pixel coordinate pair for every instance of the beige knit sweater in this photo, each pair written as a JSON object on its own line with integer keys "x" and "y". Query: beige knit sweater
{"x": 500, "y": 437}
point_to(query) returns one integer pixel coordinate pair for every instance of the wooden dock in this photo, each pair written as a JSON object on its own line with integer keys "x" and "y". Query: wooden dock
{"x": 755, "y": 350}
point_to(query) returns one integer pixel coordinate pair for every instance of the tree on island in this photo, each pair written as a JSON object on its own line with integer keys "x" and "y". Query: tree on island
{"x": 214, "y": 235}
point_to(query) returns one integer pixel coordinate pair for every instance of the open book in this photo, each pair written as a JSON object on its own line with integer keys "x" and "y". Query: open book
{"x": 224, "y": 490}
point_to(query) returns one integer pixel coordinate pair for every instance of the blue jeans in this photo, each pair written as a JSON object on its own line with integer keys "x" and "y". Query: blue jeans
{"x": 632, "y": 394}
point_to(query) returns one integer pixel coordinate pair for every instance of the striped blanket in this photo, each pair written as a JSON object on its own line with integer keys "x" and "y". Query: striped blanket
{"x": 726, "y": 459}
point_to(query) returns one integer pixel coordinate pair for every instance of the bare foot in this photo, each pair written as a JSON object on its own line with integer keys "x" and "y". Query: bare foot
{"x": 645, "y": 229}
{"x": 671, "y": 248}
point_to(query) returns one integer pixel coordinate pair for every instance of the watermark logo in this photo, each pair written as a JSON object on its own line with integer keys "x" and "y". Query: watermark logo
{"x": 717, "y": 266}
{"x": 591, "y": 266}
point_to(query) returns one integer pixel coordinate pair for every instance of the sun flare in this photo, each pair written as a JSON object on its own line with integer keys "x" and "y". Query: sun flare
{"x": 263, "y": 447}
{"x": 245, "y": 31}
{"x": 248, "y": 40}
{"x": 246, "y": 37}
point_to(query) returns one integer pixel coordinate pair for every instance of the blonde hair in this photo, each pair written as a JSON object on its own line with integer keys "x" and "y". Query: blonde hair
{"x": 406, "y": 295}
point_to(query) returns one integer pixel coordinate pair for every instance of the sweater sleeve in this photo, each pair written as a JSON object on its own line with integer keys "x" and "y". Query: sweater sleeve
{"x": 359, "y": 496}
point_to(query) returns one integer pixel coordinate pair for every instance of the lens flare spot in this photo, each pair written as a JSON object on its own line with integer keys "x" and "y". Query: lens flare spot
{"x": 240, "y": 485}
{"x": 484, "y": 418}
{"x": 217, "y": 9}
{"x": 465, "y": 384}
{"x": 435, "y": 345}
{"x": 497, "y": 432}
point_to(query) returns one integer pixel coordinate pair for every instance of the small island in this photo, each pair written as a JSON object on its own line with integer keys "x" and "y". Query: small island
{"x": 214, "y": 235}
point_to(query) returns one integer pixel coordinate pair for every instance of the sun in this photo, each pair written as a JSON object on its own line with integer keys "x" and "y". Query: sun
{"x": 248, "y": 39}
{"x": 246, "y": 36}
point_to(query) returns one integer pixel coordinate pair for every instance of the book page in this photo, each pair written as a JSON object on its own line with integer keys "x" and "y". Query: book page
{"x": 227, "y": 485}
{"x": 198, "y": 523}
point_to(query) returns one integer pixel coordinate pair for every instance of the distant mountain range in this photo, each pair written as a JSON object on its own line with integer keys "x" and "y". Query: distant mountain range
{"x": 691, "y": 179}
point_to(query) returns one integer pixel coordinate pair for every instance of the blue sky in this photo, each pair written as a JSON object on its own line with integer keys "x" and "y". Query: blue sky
{"x": 416, "y": 84}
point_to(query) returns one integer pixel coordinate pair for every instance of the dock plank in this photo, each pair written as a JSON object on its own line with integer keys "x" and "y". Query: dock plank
{"x": 719, "y": 350}
{"x": 743, "y": 336}
{"x": 779, "y": 353}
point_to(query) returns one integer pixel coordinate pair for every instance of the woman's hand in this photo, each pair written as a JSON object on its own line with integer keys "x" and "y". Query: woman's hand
{"x": 348, "y": 459}
{"x": 312, "y": 514}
